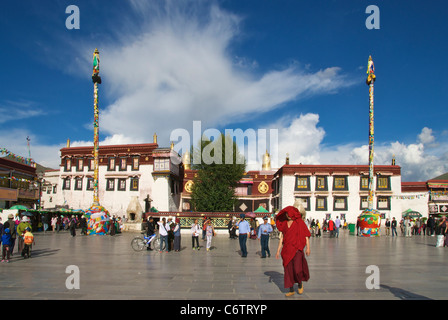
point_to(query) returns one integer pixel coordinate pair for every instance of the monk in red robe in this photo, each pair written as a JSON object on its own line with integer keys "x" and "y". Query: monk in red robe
{"x": 293, "y": 240}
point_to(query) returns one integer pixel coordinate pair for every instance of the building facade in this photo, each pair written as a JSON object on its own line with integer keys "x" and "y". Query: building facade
{"x": 127, "y": 173}
{"x": 18, "y": 184}
{"x": 330, "y": 191}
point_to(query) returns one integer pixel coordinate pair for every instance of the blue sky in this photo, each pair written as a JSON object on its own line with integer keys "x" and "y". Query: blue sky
{"x": 295, "y": 66}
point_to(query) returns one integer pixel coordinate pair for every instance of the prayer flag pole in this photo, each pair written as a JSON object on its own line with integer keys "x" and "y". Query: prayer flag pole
{"x": 370, "y": 80}
{"x": 98, "y": 222}
{"x": 370, "y": 219}
{"x": 96, "y": 80}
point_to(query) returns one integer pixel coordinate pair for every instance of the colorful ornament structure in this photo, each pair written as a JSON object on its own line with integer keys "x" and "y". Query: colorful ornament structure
{"x": 98, "y": 220}
{"x": 370, "y": 223}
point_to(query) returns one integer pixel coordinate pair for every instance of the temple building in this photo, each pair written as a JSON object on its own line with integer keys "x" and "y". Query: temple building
{"x": 143, "y": 178}
{"x": 127, "y": 173}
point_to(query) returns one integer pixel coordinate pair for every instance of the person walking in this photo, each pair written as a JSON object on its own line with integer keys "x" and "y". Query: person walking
{"x": 195, "y": 232}
{"x": 176, "y": 232}
{"x": 150, "y": 230}
{"x": 294, "y": 239}
{"x": 6, "y": 243}
{"x": 163, "y": 231}
{"x": 72, "y": 226}
{"x": 83, "y": 225}
{"x": 331, "y": 228}
{"x": 393, "y": 226}
{"x": 11, "y": 226}
{"x": 243, "y": 233}
{"x": 337, "y": 225}
{"x": 263, "y": 235}
{"x": 54, "y": 219}
{"x": 387, "y": 227}
{"x": 209, "y": 233}
{"x": 21, "y": 229}
{"x": 318, "y": 227}
{"x": 430, "y": 226}
{"x": 28, "y": 240}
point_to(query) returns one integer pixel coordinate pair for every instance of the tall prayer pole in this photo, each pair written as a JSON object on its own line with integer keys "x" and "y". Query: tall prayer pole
{"x": 98, "y": 222}
{"x": 96, "y": 80}
{"x": 370, "y": 80}
{"x": 370, "y": 219}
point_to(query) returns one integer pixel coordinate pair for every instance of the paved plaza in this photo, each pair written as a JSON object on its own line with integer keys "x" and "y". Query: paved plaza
{"x": 409, "y": 268}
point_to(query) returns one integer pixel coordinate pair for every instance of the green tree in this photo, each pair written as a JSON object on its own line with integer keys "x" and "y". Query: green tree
{"x": 220, "y": 168}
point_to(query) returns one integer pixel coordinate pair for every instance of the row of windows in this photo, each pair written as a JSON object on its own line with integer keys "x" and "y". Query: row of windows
{"x": 339, "y": 183}
{"x": 113, "y": 163}
{"x": 341, "y": 203}
{"x": 111, "y": 184}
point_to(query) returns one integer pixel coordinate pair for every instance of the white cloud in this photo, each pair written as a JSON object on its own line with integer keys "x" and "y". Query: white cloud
{"x": 178, "y": 67}
{"x": 303, "y": 139}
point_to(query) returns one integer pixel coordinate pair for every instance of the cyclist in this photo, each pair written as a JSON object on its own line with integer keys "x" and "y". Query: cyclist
{"x": 150, "y": 230}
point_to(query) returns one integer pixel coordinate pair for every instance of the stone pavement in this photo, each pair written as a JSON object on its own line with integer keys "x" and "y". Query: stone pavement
{"x": 409, "y": 268}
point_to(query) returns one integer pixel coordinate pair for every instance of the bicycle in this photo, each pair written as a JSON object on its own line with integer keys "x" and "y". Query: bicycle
{"x": 139, "y": 243}
{"x": 275, "y": 234}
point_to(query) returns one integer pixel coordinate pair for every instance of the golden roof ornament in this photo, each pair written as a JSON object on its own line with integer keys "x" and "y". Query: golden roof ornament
{"x": 186, "y": 161}
{"x": 266, "y": 164}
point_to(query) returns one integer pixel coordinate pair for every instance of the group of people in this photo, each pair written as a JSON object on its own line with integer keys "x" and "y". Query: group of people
{"x": 293, "y": 245}
{"x": 328, "y": 225}
{"x": 416, "y": 227}
{"x": 12, "y": 231}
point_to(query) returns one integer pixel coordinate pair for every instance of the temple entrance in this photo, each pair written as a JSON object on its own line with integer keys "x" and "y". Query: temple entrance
{"x": 132, "y": 216}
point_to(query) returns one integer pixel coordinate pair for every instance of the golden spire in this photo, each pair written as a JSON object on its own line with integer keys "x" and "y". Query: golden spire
{"x": 186, "y": 161}
{"x": 68, "y": 143}
{"x": 155, "y": 137}
{"x": 266, "y": 165}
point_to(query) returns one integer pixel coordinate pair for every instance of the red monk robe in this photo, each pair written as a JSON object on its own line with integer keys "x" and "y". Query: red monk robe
{"x": 294, "y": 241}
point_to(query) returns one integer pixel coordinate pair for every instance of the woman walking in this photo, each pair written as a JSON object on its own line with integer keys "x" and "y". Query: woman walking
{"x": 209, "y": 233}
{"x": 163, "y": 231}
{"x": 195, "y": 232}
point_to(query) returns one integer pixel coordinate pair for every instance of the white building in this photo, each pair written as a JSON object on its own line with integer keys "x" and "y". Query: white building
{"x": 329, "y": 191}
{"x": 135, "y": 171}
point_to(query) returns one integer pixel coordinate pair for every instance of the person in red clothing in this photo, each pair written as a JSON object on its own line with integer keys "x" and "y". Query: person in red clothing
{"x": 294, "y": 239}
{"x": 331, "y": 228}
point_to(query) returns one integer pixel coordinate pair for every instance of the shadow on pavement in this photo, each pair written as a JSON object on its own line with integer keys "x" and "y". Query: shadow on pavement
{"x": 404, "y": 294}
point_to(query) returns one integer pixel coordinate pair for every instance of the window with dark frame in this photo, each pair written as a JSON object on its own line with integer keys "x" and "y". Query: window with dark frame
{"x": 66, "y": 185}
{"x": 68, "y": 165}
{"x": 110, "y": 184}
{"x": 111, "y": 166}
{"x": 364, "y": 202}
{"x": 364, "y": 183}
{"x": 80, "y": 166}
{"x": 135, "y": 163}
{"x": 91, "y": 164}
{"x": 121, "y": 184}
{"x": 133, "y": 184}
{"x": 78, "y": 183}
{"x": 321, "y": 183}
{"x": 383, "y": 183}
{"x": 340, "y": 203}
{"x": 340, "y": 183}
{"x": 383, "y": 203}
{"x": 321, "y": 204}
{"x": 123, "y": 164}
{"x": 89, "y": 184}
{"x": 302, "y": 183}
